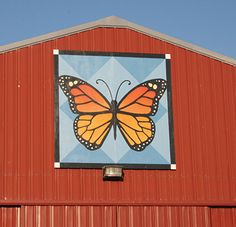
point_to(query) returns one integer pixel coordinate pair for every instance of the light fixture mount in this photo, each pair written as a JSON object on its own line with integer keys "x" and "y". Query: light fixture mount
{"x": 113, "y": 173}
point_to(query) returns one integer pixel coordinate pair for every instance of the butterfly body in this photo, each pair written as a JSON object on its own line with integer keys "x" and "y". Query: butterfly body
{"x": 96, "y": 115}
{"x": 114, "y": 117}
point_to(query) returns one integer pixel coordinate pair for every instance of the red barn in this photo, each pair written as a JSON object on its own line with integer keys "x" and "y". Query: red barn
{"x": 200, "y": 192}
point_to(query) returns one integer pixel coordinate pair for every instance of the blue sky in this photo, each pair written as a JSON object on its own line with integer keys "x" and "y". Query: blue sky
{"x": 207, "y": 23}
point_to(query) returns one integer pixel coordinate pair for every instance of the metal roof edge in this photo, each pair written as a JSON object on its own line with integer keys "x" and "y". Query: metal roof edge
{"x": 117, "y": 22}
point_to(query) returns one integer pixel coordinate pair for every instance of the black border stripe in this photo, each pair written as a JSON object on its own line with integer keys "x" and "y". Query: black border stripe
{"x": 170, "y": 112}
{"x": 124, "y": 165}
{"x": 56, "y": 110}
{"x": 111, "y": 54}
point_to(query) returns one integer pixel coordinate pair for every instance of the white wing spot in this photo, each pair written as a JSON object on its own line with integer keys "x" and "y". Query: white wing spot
{"x": 154, "y": 87}
{"x": 71, "y": 84}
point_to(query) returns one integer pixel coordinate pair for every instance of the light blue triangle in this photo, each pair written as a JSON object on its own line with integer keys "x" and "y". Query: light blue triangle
{"x": 85, "y": 65}
{"x": 140, "y": 68}
{"x": 160, "y": 113}
{"x": 80, "y": 154}
{"x": 148, "y": 156}
{"x": 66, "y": 109}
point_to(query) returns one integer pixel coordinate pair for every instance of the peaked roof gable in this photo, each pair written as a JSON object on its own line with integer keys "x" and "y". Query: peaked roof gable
{"x": 117, "y": 22}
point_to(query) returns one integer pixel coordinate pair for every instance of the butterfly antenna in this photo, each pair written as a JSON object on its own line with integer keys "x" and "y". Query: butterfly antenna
{"x": 106, "y": 86}
{"x": 129, "y": 82}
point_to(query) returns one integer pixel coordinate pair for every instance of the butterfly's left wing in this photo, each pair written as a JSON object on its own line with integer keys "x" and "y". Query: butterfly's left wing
{"x": 93, "y": 124}
{"x": 82, "y": 96}
{"x": 91, "y": 130}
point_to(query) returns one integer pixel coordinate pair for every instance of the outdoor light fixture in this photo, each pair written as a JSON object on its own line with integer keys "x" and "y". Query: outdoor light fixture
{"x": 114, "y": 173}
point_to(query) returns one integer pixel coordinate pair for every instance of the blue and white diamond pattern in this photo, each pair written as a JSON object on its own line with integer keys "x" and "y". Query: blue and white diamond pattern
{"x": 113, "y": 70}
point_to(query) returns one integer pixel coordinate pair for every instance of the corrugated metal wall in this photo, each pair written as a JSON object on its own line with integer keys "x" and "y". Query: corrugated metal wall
{"x": 223, "y": 217}
{"x": 204, "y": 107}
{"x": 104, "y": 216}
{"x": 10, "y": 216}
{"x": 119, "y": 216}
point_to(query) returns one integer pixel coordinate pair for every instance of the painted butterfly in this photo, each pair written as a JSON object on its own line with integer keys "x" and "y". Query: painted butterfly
{"x": 96, "y": 115}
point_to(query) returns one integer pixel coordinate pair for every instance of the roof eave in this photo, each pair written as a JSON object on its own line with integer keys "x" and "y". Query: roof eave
{"x": 117, "y": 22}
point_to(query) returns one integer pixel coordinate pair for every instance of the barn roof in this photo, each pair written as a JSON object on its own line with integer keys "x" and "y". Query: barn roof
{"x": 117, "y": 22}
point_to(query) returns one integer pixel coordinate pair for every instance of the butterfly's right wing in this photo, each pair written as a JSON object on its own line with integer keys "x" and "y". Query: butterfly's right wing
{"x": 138, "y": 131}
{"x": 91, "y": 130}
{"x": 144, "y": 98}
{"x": 134, "y": 110}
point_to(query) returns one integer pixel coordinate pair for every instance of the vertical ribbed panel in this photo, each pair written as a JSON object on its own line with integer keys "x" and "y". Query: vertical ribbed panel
{"x": 204, "y": 107}
{"x": 117, "y": 216}
{"x": 223, "y": 217}
{"x": 163, "y": 216}
{"x": 68, "y": 216}
{"x": 10, "y": 216}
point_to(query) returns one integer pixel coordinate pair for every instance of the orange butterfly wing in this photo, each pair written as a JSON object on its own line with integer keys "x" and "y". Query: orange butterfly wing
{"x": 91, "y": 130}
{"x": 83, "y": 97}
{"x": 94, "y": 121}
{"x": 134, "y": 110}
{"x": 144, "y": 98}
{"x": 138, "y": 131}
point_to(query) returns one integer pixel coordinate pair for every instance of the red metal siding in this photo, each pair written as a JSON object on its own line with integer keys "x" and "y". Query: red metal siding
{"x": 147, "y": 216}
{"x": 223, "y": 217}
{"x": 204, "y": 107}
{"x": 68, "y": 216}
{"x": 9, "y": 216}
{"x": 120, "y": 216}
